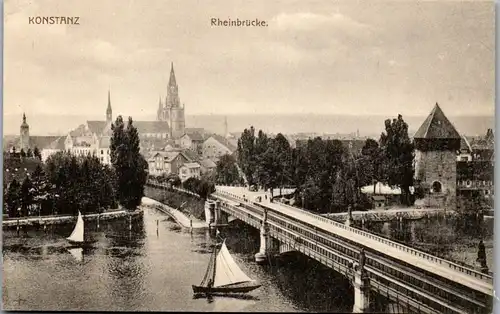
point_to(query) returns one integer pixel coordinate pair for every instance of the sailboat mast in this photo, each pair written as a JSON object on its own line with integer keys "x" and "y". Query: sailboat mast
{"x": 215, "y": 263}
{"x": 209, "y": 267}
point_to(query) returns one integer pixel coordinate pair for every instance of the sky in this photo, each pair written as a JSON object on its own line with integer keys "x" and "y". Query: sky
{"x": 322, "y": 57}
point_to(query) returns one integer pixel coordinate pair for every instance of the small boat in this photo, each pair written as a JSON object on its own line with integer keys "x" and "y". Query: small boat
{"x": 77, "y": 236}
{"x": 224, "y": 276}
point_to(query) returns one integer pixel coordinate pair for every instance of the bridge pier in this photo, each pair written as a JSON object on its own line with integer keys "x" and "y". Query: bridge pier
{"x": 361, "y": 285}
{"x": 361, "y": 292}
{"x": 209, "y": 212}
{"x": 221, "y": 217}
{"x": 265, "y": 244}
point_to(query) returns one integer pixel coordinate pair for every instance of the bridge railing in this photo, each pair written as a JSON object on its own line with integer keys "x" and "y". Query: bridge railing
{"x": 404, "y": 248}
{"x": 412, "y": 251}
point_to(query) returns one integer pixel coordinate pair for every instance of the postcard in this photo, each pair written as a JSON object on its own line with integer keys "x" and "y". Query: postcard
{"x": 283, "y": 156}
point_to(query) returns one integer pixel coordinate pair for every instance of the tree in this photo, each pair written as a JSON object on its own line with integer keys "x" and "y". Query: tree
{"x": 227, "y": 172}
{"x": 22, "y": 153}
{"x": 130, "y": 166}
{"x": 371, "y": 163}
{"x": 36, "y": 153}
{"x": 246, "y": 154}
{"x": 398, "y": 156}
{"x": 191, "y": 184}
{"x": 29, "y": 153}
{"x": 283, "y": 157}
{"x": 173, "y": 179}
{"x": 78, "y": 184}
{"x": 13, "y": 198}
{"x": 26, "y": 196}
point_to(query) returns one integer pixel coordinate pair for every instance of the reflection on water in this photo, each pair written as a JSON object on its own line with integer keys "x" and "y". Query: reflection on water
{"x": 152, "y": 267}
{"x": 77, "y": 253}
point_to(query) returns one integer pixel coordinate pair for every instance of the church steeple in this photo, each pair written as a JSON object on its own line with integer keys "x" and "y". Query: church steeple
{"x": 159, "y": 112}
{"x": 109, "y": 111}
{"x": 172, "y": 82}
{"x": 24, "y": 139}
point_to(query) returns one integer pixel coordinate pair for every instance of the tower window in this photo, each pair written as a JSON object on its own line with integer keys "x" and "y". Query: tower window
{"x": 436, "y": 187}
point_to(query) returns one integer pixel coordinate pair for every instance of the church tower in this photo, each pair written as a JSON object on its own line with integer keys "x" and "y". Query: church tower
{"x": 436, "y": 145}
{"x": 109, "y": 112}
{"x": 175, "y": 113}
{"x": 24, "y": 139}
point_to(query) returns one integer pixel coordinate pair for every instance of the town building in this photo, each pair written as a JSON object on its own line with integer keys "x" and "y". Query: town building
{"x": 475, "y": 176}
{"x": 189, "y": 170}
{"x": 165, "y": 163}
{"x": 192, "y": 141}
{"x": 216, "y": 146}
{"x": 207, "y": 165}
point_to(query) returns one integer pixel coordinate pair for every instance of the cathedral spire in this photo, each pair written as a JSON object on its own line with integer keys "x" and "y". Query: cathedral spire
{"x": 172, "y": 81}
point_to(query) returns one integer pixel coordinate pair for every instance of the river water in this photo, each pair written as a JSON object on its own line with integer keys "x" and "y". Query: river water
{"x": 152, "y": 269}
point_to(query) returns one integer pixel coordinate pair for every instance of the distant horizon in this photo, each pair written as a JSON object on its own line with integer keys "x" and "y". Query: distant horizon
{"x": 291, "y": 123}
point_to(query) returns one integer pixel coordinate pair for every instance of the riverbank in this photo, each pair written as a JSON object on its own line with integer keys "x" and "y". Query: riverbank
{"x": 54, "y": 220}
{"x": 179, "y": 217}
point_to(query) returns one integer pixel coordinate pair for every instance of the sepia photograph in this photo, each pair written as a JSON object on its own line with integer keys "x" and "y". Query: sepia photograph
{"x": 236, "y": 156}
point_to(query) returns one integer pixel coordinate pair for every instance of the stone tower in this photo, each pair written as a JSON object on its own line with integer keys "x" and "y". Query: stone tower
{"x": 109, "y": 112}
{"x": 24, "y": 139}
{"x": 436, "y": 145}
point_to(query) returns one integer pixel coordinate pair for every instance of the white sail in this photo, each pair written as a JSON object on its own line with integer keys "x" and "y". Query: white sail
{"x": 77, "y": 234}
{"x": 77, "y": 253}
{"x": 227, "y": 272}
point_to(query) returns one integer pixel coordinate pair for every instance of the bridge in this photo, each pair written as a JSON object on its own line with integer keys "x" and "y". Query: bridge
{"x": 419, "y": 281}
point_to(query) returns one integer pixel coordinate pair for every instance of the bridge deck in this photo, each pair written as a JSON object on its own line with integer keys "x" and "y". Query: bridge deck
{"x": 395, "y": 252}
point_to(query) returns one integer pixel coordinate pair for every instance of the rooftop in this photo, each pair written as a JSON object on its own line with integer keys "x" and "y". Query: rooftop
{"x": 437, "y": 126}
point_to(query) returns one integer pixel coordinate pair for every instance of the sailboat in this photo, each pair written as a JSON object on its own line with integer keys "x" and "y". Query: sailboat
{"x": 76, "y": 237}
{"x": 224, "y": 276}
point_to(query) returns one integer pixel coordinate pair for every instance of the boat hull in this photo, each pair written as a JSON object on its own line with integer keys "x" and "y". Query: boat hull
{"x": 224, "y": 290}
{"x": 85, "y": 244}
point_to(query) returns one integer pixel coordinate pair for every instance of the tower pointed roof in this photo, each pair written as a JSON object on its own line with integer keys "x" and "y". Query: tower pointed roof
{"x": 172, "y": 81}
{"x": 109, "y": 102}
{"x": 437, "y": 126}
{"x": 24, "y": 124}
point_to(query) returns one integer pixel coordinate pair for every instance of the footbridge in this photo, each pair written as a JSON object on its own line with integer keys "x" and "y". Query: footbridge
{"x": 420, "y": 282}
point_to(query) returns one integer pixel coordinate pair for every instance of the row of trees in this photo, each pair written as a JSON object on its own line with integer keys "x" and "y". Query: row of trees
{"x": 327, "y": 175}
{"x": 66, "y": 184}
{"x": 35, "y": 153}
